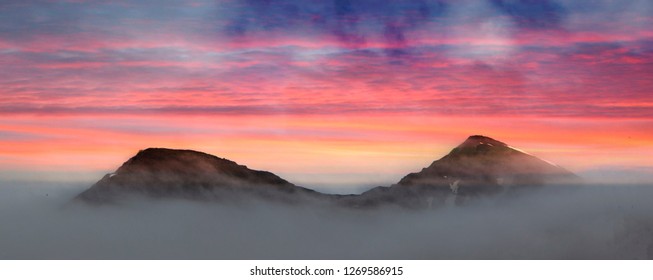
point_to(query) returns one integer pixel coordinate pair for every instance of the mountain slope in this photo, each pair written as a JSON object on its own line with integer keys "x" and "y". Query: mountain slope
{"x": 485, "y": 161}
{"x": 158, "y": 172}
{"x": 478, "y": 166}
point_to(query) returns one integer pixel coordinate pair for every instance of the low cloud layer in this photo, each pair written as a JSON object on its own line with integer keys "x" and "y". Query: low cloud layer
{"x": 37, "y": 221}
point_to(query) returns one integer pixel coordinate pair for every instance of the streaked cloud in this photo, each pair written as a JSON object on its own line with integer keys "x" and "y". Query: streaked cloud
{"x": 281, "y": 60}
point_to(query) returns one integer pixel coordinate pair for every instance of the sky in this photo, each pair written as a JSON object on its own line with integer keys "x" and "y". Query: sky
{"x": 323, "y": 93}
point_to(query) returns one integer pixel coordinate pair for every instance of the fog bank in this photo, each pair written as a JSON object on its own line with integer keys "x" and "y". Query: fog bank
{"x": 37, "y": 221}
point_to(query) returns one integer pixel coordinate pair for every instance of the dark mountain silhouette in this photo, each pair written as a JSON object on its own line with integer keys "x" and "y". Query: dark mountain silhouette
{"x": 484, "y": 161}
{"x": 479, "y": 166}
{"x": 168, "y": 173}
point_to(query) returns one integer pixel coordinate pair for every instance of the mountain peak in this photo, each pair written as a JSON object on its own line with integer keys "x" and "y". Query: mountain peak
{"x": 479, "y": 145}
{"x": 482, "y": 164}
{"x": 475, "y": 140}
{"x": 162, "y": 172}
{"x": 158, "y": 153}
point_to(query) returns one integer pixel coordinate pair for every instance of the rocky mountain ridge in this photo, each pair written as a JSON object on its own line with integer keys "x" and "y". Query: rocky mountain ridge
{"x": 477, "y": 167}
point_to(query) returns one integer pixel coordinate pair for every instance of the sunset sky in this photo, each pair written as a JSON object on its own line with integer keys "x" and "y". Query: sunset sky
{"x": 323, "y": 93}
